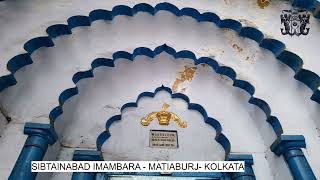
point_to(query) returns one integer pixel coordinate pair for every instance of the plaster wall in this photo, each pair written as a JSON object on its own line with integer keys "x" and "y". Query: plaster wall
{"x": 186, "y": 35}
{"x": 145, "y": 76}
{"x": 3, "y": 122}
{"x": 36, "y": 15}
{"x": 75, "y": 52}
{"x": 40, "y": 84}
{"x": 11, "y": 143}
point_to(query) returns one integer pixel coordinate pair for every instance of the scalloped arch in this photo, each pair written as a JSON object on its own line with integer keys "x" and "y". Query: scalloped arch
{"x": 311, "y": 5}
{"x": 220, "y": 137}
{"x": 223, "y": 70}
{"x": 309, "y": 78}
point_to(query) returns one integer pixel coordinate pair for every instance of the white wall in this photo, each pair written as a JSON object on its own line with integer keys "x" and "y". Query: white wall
{"x": 3, "y": 122}
{"x": 40, "y": 84}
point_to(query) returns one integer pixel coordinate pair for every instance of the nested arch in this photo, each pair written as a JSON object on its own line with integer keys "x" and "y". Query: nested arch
{"x": 152, "y": 53}
{"x": 309, "y": 78}
{"x": 219, "y": 137}
{"x": 155, "y": 55}
{"x": 222, "y": 70}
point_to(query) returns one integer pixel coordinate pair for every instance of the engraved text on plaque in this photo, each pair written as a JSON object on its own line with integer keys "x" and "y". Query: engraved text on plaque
{"x": 163, "y": 139}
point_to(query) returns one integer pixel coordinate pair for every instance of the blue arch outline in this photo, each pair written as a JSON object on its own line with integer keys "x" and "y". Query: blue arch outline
{"x": 220, "y": 137}
{"x": 311, "y": 5}
{"x": 223, "y": 70}
{"x": 309, "y": 78}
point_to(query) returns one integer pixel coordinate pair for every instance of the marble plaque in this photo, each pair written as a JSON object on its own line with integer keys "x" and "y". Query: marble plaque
{"x": 163, "y": 139}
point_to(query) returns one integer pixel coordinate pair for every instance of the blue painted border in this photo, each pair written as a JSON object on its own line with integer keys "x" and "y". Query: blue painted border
{"x": 223, "y": 70}
{"x": 311, "y": 5}
{"x": 220, "y": 137}
{"x": 309, "y": 78}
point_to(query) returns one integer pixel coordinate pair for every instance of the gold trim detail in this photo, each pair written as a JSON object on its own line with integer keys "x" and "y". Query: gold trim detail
{"x": 163, "y": 117}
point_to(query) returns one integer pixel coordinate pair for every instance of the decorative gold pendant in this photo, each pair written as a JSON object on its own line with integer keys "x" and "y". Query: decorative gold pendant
{"x": 163, "y": 117}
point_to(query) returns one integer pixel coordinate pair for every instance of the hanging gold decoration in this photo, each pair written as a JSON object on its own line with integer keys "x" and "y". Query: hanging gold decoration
{"x": 164, "y": 117}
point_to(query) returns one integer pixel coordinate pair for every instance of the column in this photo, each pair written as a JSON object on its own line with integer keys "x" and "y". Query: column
{"x": 248, "y": 174}
{"x": 290, "y": 147}
{"x": 86, "y": 155}
{"x": 34, "y": 149}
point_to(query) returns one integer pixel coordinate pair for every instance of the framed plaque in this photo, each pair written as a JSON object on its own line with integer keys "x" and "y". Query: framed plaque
{"x": 163, "y": 139}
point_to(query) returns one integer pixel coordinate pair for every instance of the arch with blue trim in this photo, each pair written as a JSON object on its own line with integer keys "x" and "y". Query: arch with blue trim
{"x": 41, "y": 135}
{"x": 220, "y": 137}
{"x": 309, "y": 78}
{"x": 222, "y": 70}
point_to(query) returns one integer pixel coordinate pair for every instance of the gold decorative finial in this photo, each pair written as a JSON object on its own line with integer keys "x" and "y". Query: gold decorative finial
{"x": 163, "y": 117}
{"x": 165, "y": 107}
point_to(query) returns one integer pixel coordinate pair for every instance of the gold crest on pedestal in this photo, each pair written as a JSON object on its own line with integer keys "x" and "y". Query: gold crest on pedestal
{"x": 164, "y": 117}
